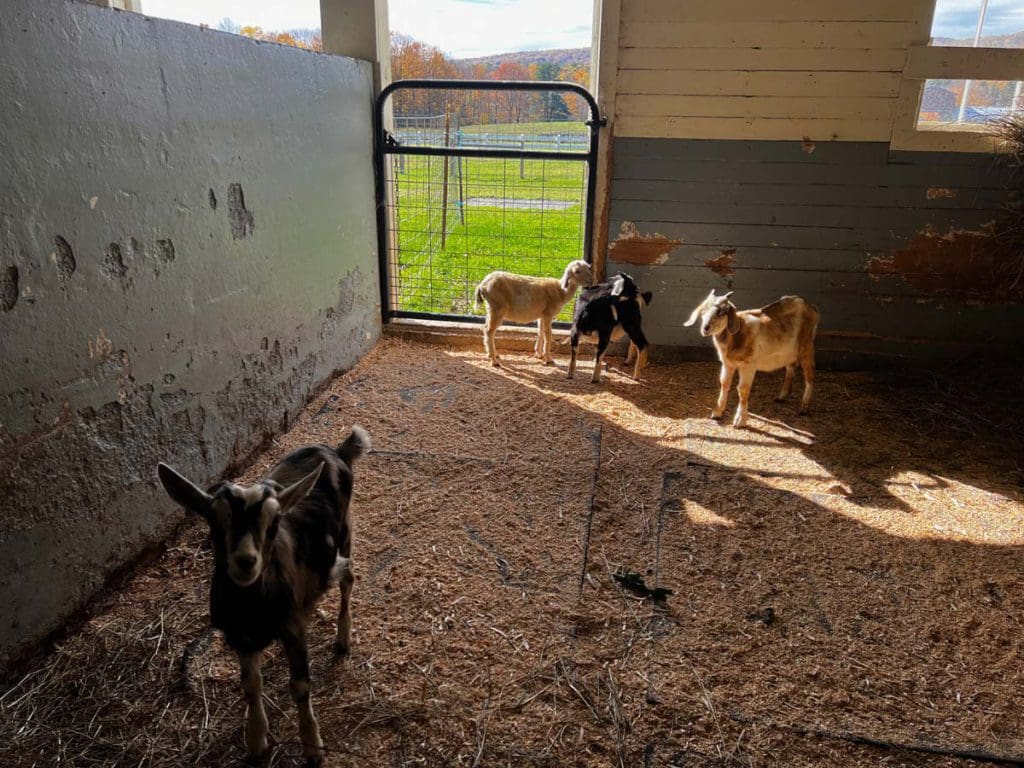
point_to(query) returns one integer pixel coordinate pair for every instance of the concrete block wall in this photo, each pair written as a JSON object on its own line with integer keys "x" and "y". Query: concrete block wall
{"x": 187, "y": 250}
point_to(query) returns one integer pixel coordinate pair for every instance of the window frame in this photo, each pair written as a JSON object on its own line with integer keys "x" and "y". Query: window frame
{"x": 933, "y": 62}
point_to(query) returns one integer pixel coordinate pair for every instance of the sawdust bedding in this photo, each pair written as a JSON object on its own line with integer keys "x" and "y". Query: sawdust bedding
{"x": 849, "y": 575}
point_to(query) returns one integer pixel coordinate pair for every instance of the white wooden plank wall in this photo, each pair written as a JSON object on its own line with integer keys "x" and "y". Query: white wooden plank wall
{"x": 764, "y": 69}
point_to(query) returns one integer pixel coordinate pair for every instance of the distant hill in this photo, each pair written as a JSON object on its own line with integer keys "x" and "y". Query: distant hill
{"x": 1012, "y": 40}
{"x": 576, "y": 57}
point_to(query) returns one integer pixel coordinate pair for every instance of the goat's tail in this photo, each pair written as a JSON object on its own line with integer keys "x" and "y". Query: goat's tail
{"x": 355, "y": 445}
{"x": 478, "y": 297}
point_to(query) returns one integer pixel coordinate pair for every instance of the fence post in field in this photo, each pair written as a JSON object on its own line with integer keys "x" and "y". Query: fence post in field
{"x": 459, "y": 169}
{"x": 444, "y": 184}
{"x": 522, "y": 161}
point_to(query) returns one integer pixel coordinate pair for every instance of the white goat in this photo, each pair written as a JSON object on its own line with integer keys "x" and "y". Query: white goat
{"x": 522, "y": 299}
{"x": 766, "y": 339}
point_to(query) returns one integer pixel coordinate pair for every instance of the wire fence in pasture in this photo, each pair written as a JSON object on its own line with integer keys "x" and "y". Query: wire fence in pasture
{"x": 464, "y": 194}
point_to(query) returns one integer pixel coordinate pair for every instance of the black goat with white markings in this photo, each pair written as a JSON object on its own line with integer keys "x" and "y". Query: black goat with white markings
{"x": 605, "y": 312}
{"x": 278, "y": 545}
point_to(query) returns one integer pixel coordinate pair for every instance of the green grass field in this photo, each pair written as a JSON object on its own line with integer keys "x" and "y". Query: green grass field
{"x": 530, "y": 224}
{"x": 574, "y": 128}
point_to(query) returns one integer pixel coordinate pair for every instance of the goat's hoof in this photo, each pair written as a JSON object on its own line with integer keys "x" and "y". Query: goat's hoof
{"x": 341, "y": 649}
{"x": 549, "y": 361}
{"x": 780, "y": 398}
{"x": 739, "y": 423}
{"x": 716, "y": 416}
{"x": 496, "y": 363}
{"x": 314, "y": 761}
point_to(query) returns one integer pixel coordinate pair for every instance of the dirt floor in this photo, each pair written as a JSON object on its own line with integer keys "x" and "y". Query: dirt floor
{"x": 853, "y": 574}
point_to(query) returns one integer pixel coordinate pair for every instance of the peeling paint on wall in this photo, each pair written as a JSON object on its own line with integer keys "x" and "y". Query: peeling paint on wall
{"x": 63, "y": 257}
{"x": 8, "y": 288}
{"x": 723, "y": 265}
{"x": 962, "y": 264}
{"x": 113, "y": 266}
{"x": 101, "y": 347}
{"x": 940, "y": 193}
{"x": 631, "y": 247}
{"x": 165, "y": 250}
{"x": 808, "y": 145}
{"x": 241, "y": 219}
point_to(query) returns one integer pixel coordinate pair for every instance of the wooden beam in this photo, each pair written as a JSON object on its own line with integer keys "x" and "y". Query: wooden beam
{"x": 604, "y": 73}
{"x": 781, "y": 34}
{"x": 955, "y": 63}
{"x": 692, "y": 59}
{"x": 723, "y": 11}
{"x": 360, "y": 29}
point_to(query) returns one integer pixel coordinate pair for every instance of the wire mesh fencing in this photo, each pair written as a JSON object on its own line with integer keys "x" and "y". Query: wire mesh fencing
{"x": 476, "y": 187}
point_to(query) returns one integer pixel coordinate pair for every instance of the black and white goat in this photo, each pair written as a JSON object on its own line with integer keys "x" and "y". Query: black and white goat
{"x": 278, "y": 545}
{"x": 604, "y": 313}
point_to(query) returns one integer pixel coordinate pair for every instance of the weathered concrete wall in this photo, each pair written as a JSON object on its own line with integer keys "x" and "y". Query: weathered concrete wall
{"x": 187, "y": 249}
{"x": 890, "y": 245}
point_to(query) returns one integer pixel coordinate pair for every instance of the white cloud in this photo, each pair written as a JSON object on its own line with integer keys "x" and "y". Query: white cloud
{"x": 461, "y": 28}
{"x": 269, "y": 14}
{"x": 466, "y": 28}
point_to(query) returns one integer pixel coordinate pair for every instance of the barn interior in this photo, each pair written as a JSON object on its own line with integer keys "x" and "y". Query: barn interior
{"x": 549, "y": 572}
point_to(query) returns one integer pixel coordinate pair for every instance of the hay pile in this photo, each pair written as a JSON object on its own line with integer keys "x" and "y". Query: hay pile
{"x": 852, "y": 573}
{"x": 1009, "y": 228}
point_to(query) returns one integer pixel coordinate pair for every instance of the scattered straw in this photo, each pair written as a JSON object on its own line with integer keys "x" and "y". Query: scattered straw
{"x": 892, "y": 515}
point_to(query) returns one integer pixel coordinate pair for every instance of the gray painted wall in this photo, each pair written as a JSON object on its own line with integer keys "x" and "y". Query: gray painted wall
{"x": 187, "y": 250}
{"x": 774, "y": 218}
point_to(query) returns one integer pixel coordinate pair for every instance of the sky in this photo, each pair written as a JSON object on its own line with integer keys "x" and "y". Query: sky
{"x": 461, "y": 28}
{"x": 959, "y": 18}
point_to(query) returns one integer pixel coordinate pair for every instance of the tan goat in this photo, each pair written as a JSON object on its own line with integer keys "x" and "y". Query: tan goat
{"x": 766, "y": 339}
{"x": 522, "y": 299}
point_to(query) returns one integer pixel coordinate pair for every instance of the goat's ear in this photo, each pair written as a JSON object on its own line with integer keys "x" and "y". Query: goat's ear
{"x": 734, "y": 321}
{"x": 648, "y": 297}
{"x": 700, "y": 308}
{"x": 297, "y": 491}
{"x": 184, "y": 491}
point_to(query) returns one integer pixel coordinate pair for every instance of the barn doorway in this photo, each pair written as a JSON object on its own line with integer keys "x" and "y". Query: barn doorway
{"x": 475, "y": 176}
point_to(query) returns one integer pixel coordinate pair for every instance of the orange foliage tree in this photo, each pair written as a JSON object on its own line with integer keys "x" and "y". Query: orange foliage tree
{"x": 315, "y": 43}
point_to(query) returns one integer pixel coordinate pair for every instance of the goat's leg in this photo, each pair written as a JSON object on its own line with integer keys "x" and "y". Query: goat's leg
{"x": 641, "y": 363}
{"x": 490, "y": 327}
{"x": 603, "y": 340}
{"x": 787, "y": 384}
{"x": 549, "y": 342}
{"x": 637, "y": 341}
{"x": 574, "y": 344}
{"x": 294, "y": 642}
{"x": 538, "y": 348}
{"x": 807, "y": 366}
{"x": 747, "y": 374}
{"x": 631, "y": 354}
{"x": 255, "y": 715}
{"x": 343, "y": 640}
{"x": 725, "y": 379}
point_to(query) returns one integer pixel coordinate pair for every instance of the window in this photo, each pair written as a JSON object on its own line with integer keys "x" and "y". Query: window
{"x": 961, "y": 103}
{"x": 969, "y": 76}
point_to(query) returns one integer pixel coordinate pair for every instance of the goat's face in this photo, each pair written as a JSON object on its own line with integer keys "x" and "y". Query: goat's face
{"x": 243, "y": 520}
{"x": 578, "y": 273}
{"x": 716, "y": 314}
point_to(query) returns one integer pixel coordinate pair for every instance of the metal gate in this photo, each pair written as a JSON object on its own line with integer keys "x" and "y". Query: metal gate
{"x": 474, "y": 176}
